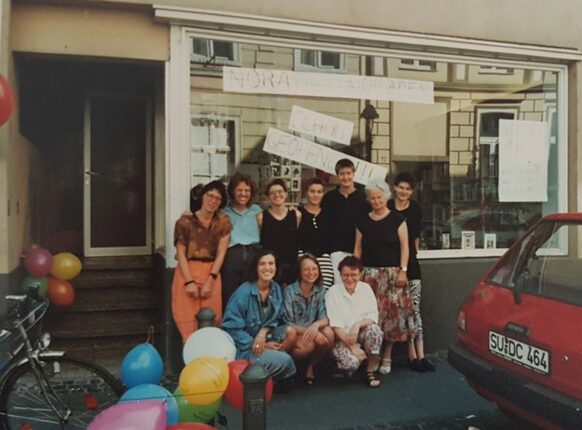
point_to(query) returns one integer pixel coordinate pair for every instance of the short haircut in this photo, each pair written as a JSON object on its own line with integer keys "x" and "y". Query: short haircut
{"x": 378, "y": 184}
{"x": 311, "y": 257}
{"x": 405, "y": 177}
{"x": 344, "y": 163}
{"x": 196, "y": 197}
{"x": 352, "y": 262}
{"x": 310, "y": 182}
{"x": 237, "y": 179}
{"x": 253, "y": 275}
{"x": 276, "y": 181}
{"x": 218, "y": 186}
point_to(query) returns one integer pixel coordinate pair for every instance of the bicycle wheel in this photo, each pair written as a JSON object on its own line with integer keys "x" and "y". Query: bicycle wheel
{"x": 84, "y": 388}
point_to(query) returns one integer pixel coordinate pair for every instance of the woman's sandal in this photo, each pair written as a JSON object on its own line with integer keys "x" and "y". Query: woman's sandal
{"x": 309, "y": 380}
{"x": 373, "y": 380}
{"x": 385, "y": 367}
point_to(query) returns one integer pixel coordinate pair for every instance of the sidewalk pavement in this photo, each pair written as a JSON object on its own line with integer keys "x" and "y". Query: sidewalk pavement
{"x": 406, "y": 400}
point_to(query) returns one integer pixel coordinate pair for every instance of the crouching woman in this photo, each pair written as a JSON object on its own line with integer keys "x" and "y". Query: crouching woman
{"x": 253, "y": 318}
{"x": 353, "y": 314}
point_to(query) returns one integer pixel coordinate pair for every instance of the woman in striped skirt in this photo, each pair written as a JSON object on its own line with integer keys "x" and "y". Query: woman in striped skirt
{"x": 315, "y": 230}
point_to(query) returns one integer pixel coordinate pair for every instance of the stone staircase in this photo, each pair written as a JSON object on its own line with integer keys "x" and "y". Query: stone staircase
{"x": 116, "y": 301}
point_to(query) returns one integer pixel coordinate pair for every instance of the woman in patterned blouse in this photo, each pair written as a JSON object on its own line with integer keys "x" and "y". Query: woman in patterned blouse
{"x": 304, "y": 310}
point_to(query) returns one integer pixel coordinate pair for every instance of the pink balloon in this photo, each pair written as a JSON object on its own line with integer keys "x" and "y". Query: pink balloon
{"x": 145, "y": 415}
{"x": 38, "y": 262}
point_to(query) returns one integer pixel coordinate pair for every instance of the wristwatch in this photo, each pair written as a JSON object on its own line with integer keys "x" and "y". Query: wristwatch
{"x": 214, "y": 275}
{"x": 404, "y": 268}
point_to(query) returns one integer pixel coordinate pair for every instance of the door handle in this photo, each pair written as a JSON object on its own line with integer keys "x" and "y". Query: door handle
{"x": 88, "y": 172}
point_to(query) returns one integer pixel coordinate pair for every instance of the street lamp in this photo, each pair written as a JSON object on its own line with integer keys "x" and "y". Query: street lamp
{"x": 369, "y": 114}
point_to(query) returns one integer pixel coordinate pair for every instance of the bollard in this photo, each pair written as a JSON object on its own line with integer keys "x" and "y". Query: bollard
{"x": 206, "y": 318}
{"x": 254, "y": 379}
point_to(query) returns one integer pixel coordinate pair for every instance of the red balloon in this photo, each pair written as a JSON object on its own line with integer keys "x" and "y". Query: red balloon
{"x": 234, "y": 390}
{"x": 60, "y": 293}
{"x": 6, "y": 100}
{"x": 190, "y": 426}
{"x": 38, "y": 262}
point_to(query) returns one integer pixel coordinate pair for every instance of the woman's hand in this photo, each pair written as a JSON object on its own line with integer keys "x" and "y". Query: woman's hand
{"x": 401, "y": 279}
{"x": 358, "y": 352}
{"x": 193, "y": 290}
{"x": 320, "y": 339}
{"x": 206, "y": 290}
{"x": 311, "y": 332}
{"x": 273, "y": 345}
{"x": 259, "y": 344}
{"x": 353, "y": 334}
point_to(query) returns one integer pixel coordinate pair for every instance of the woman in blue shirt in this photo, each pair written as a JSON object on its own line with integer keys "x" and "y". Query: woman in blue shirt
{"x": 304, "y": 310}
{"x": 253, "y": 319}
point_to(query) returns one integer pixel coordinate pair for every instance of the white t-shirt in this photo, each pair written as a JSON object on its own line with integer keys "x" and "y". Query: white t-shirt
{"x": 343, "y": 309}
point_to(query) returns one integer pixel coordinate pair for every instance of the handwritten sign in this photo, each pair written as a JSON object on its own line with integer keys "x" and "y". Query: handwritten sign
{"x": 523, "y": 161}
{"x": 285, "y": 82}
{"x": 321, "y": 157}
{"x": 319, "y": 125}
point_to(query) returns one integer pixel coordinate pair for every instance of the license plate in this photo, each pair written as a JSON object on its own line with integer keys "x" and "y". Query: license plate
{"x": 529, "y": 356}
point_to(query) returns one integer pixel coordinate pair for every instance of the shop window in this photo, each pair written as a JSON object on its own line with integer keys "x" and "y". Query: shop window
{"x": 418, "y": 65}
{"x": 214, "y": 52}
{"x": 320, "y": 61}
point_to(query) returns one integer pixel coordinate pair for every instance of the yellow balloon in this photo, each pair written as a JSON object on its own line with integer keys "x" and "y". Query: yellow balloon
{"x": 204, "y": 380}
{"x": 66, "y": 266}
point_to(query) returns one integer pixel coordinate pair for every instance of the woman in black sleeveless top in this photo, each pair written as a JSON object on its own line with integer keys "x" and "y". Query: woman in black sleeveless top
{"x": 278, "y": 227}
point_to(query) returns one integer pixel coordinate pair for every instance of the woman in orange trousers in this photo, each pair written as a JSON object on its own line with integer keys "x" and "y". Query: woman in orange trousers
{"x": 201, "y": 241}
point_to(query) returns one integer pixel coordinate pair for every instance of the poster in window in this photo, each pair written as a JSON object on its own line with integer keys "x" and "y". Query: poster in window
{"x": 467, "y": 240}
{"x": 490, "y": 240}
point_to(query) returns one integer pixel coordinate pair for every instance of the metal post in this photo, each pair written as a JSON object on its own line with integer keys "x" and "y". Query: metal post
{"x": 254, "y": 379}
{"x": 206, "y": 318}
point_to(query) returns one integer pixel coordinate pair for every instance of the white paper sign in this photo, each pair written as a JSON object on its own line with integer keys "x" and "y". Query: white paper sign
{"x": 286, "y": 82}
{"x": 523, "y": 161}
{"x": 321, "y": 157}
{"x": 319, "y": 125}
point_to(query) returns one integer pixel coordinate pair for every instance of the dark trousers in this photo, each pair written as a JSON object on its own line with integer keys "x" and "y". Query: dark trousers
{"x": 236, "y": 269}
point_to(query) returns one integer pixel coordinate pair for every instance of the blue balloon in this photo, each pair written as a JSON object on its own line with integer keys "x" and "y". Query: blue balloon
{"x": 154, "y": 392}
{"x": 142, "y": 365}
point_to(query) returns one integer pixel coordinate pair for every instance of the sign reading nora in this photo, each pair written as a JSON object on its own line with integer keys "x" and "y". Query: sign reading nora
{"x": 285, "y": 82}
{"x": 319, "y": 125}
{"x": 321, "y": 157}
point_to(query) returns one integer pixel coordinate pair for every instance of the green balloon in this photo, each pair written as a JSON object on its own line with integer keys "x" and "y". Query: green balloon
{"x": 190, "y": 413}
{"x": 35, "y": 282}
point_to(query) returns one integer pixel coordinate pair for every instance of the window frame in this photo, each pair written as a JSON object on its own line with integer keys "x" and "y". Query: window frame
{"x": 254, "y": 29}
{"x": 416, "y": 65}
{"x": 298, "y": 65}
{"x": 206, "y": 59}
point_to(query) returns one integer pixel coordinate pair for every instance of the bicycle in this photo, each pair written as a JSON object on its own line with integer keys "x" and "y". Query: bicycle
{"x": 44, "y": 389}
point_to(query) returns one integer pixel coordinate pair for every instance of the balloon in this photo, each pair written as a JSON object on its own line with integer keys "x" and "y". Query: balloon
{"x": 192, "y": 413}
{"x": 203, "y": 381}
{"x": 151, "y": 392}
{"x": 147, "y": 415}
{"x": 66, "y": 266}
{"x": 190, "y": 426}
{"x": 60, "y": 293}
{"x": 142, "y": 365}
{"x": 209, "y": 342}
{"x": 6, "y": 100}
{"x": 35, "y": 282}
{"x": 234, "y": 392}
{"x": 38, "y": 262}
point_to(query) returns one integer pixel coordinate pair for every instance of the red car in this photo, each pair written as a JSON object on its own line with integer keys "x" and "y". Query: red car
{"x": 520, "y": 331}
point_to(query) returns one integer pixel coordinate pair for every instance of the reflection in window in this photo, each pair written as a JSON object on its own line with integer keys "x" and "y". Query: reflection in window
{"x": 495, "y": 70}
{"x": 213, "y": 52}
{"x": 418, "y": 65}
{"x": 323, "y": 61}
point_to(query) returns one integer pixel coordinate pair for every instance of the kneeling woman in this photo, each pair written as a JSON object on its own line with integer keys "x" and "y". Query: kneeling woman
{"x": 253, "y": 318}
{"x": 304, "y": 310}
{"x": 353, "y": 314}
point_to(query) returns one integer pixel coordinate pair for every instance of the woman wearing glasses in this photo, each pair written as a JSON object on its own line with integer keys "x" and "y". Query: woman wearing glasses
{"x": 201, "y": 239}
{"x": 278, "y": 226}
{"x": 304, "y": 311}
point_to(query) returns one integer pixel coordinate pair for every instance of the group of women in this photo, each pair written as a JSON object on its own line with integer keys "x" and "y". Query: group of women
{"x": 277, "y": 272}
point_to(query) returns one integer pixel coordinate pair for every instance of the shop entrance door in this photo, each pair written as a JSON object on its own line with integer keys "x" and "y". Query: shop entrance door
{"x": 117, "y": 190}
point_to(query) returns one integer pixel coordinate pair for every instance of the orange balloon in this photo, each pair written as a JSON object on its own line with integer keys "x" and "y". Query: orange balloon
{"x": 60, "y": 292}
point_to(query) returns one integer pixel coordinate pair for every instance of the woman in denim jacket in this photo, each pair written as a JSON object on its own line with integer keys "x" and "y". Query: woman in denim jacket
{"x": 253, "y": 319}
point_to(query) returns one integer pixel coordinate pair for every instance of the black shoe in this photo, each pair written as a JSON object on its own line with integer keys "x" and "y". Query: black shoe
{"x": 416, "y": 365}
{"x": 283, "y": 386}
{"x": 427, "y": 365}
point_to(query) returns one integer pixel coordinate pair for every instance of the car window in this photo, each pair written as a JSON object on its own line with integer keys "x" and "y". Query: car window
{"x": 540, "y": 266}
